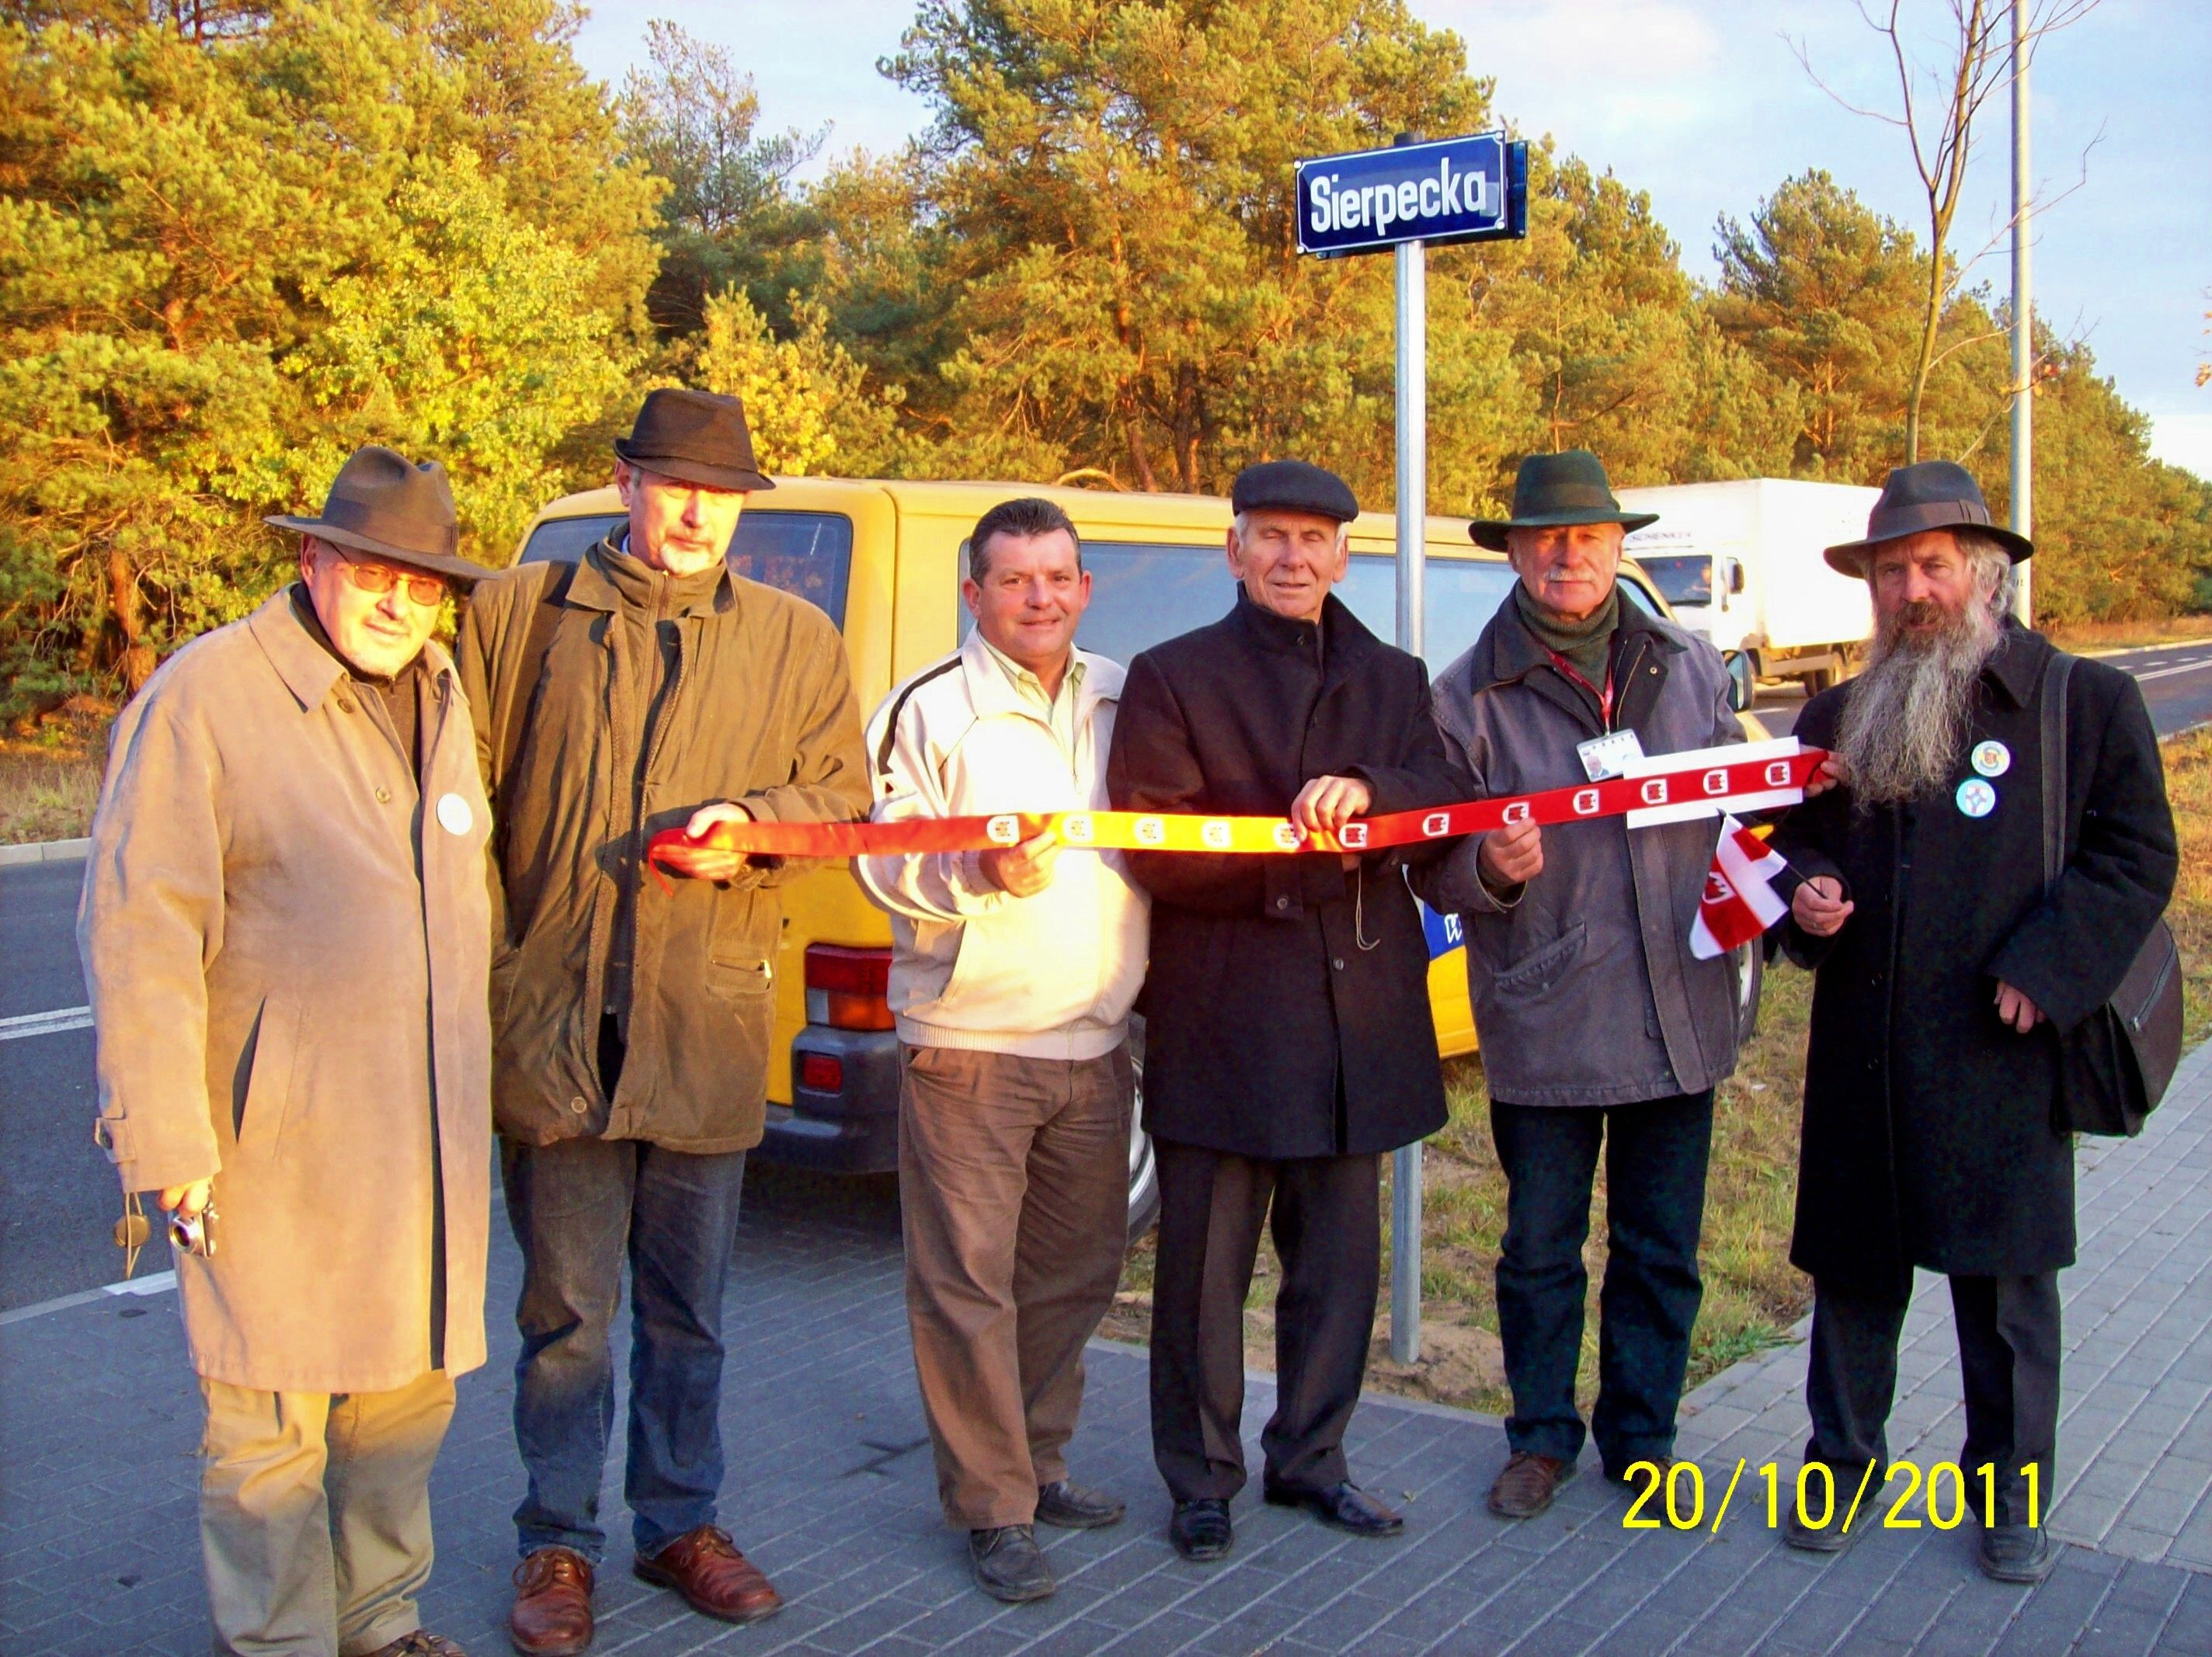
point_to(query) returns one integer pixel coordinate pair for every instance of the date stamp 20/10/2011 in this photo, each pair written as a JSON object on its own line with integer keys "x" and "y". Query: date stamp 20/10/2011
{"x": 1942, "y": 1493}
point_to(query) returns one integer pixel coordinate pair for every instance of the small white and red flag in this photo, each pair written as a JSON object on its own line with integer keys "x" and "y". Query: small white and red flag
{"x": 1740, "y": 901}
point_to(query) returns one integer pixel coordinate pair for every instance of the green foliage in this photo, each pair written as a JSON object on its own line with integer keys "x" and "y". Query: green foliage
{"x": 228, "y": 255}
{"x": 238, "y": 239}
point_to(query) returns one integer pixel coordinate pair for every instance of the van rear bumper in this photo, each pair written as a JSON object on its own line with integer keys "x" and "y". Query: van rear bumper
{"x": 853, "y": 1130}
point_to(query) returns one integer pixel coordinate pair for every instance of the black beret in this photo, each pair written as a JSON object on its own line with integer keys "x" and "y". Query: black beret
{"x": 1293, "y": 486}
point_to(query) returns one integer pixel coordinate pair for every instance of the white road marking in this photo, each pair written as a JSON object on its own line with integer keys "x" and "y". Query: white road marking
{"x": 2197, "y": 665}
{"x": 45, "y": 1023}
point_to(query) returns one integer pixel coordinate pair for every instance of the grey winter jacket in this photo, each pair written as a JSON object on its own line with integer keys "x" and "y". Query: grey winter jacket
{"x": 1584, "y": 989}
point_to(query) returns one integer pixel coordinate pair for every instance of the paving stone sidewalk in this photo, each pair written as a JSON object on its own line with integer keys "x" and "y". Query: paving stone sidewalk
{"x": 830, "y": 1490}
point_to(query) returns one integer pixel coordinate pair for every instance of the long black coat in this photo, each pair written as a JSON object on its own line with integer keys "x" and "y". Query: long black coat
{"x": 1260, "y": 995}
{"x": 1927, "y": 1135}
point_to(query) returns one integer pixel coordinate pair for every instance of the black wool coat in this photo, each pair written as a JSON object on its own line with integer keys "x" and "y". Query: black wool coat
{"x": 1287, "y": 1004}
{"x": 1928, "y": 1137}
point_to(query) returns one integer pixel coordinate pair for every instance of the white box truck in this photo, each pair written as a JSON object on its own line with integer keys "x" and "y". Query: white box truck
{"x": 1741, "y": 563}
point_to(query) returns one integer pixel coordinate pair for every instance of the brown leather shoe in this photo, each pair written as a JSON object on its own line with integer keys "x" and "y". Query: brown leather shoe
{"x": 715, "y": 1580}
{"x": 552, "y": 1614}
{"x": 1524, "y": 1489}
{"x": 421, "y": 1643}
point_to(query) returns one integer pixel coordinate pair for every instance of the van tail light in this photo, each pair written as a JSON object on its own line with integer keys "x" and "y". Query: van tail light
{"x": 821, "y": 1072}
{"x": 848, "y": 989}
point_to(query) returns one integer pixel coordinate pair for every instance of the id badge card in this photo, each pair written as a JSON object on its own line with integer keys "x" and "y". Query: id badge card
{"x": 1608, "y": 755}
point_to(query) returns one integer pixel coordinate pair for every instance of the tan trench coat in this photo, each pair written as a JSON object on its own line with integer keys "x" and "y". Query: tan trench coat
{"x": 279, "y": 999}
{"x": 760, "y": 710}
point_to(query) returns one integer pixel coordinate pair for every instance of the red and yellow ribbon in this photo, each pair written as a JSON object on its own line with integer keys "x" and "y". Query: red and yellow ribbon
{"x": 1699, "y": 781}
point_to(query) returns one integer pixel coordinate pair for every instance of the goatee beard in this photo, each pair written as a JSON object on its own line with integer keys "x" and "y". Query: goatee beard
{"x": 1906, "y": 719}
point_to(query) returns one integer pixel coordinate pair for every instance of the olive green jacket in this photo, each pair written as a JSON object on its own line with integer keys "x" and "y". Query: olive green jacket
{"x": 757, "y": 708}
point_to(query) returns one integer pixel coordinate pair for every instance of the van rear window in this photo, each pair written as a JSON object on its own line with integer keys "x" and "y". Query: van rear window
{"x": 1142, "y": 593}
{"x": 808, "y": 555}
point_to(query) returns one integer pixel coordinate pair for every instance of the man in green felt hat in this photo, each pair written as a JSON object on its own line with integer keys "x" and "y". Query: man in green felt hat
{"x": 1598, "y": 1026}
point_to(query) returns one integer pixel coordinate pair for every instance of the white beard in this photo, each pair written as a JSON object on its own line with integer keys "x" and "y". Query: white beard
{"x": 1906, "y": 719}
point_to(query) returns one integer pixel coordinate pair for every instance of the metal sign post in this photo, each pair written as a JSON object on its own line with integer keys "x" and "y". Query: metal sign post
{"x": 2023, "y": 322}
{"x": 1407, "y": 197}
{"x": 1412, "y": 568}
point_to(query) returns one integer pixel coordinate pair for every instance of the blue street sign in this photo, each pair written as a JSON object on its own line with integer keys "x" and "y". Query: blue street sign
{"x": 1453, "y": 189}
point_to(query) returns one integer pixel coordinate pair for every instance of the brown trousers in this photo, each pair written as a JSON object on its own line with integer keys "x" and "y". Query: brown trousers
{"x": 1014, "y": 1189}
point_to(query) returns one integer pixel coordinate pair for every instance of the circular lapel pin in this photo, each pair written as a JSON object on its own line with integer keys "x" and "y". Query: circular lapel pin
{"x": 1976, "y": 797}
{"x": 1991, "y": 758}
{"x": 453, "y": 814}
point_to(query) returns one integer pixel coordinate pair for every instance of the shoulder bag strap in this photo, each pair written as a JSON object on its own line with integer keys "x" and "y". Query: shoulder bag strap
{"x": 2056, "y": 672}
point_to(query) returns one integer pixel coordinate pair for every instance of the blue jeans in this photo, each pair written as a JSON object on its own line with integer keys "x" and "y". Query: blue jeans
{"x": 1654, "y": 1183}
{"x": 578, "y": 1208}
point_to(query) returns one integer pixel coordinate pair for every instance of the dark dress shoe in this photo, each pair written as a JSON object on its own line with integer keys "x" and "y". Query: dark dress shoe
{"x": 1526, "y": 1486}
{"x": 715, "y": 1580}
{"x": 1200, "y": 1529}
{"x": 1831, "y": 1538}
{"x": 552, "y": 1614}
{"x": 421, "y": 1643}
{"x": 1073, "y": 1507}
{"x": 1344, "y": 1506}
{"x": 2016, "y": 1553}
{"x": 1009, "y": 1565}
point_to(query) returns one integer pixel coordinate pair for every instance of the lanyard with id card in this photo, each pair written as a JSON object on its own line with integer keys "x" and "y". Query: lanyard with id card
{"x": 1608, "y": 755}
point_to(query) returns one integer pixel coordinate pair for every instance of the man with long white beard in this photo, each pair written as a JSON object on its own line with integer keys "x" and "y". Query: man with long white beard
{"x": 1951, "y": 974}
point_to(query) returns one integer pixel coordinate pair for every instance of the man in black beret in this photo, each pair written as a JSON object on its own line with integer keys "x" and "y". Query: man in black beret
{"x": 1289, "y": 1041}
{"x": 644, "y": 687}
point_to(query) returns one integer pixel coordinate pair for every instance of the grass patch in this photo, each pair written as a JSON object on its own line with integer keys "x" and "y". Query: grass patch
{"x": 1753, "y": 1294}
{"x": 45, "y": 793}
{"x": 2132, "y": 635}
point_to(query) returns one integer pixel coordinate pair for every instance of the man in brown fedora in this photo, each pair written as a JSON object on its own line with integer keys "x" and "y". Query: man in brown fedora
{"x": 645, "y": 687}
{"x": 1600, "y": 1029}
{"x": 285, "y": 933}
{"x": 1958, "y": 972}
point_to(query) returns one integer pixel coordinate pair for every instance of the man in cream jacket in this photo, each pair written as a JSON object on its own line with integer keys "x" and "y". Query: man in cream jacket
{"x": 1012, "y": 981}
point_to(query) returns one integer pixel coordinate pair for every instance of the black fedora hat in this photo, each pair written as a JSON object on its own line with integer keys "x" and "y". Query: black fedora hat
{"x": 382, "y": 503}
{"x": 1934, "y": 495}
{"x": 695, "y": 437}
{"x": 1554, "y": 489}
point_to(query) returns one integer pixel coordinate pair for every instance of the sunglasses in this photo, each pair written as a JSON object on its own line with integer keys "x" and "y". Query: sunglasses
{"x": 380, "y": 579}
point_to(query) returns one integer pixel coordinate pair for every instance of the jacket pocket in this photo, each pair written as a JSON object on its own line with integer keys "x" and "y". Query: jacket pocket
{"x": 1532, "y": 974}
{"x": 269, "y": 1082}
{"x": 739, "y": 979}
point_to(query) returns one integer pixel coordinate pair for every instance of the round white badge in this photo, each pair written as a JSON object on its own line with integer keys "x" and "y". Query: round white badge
{"x": 1976, "y": 797}
{"x": 453, "y": 814}
{"x": 1991, "y": 758}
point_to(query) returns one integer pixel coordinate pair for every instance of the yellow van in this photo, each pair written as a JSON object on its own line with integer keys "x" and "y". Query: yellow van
{"x": 883, "y": 560}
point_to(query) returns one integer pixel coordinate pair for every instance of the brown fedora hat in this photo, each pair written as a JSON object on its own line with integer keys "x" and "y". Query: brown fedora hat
{"x": 1556, "y": 490}
{"x": 1934, "y": 495}
{"x": 381, "y": 503}
{"x": 695, "y": 437}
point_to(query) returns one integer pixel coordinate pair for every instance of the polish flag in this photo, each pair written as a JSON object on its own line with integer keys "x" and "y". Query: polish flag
{"x": 1739, "y": 903}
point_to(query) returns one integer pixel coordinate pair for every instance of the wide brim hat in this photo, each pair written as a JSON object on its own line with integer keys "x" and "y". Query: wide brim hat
{"x": 1932, "y": 494}
{"x": 1552, "y": 490}
{"x": 694, "y": 437}
{"x": 383, "y": 504}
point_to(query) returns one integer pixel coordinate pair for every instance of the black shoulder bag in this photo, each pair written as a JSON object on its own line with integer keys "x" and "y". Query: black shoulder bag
{"x": 2114, "y": 1068}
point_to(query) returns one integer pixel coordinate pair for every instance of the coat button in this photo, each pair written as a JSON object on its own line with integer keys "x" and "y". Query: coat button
{"x": 345, "y": 704}
{"x": 576, "y": 1105}
{"x": 1337, "y": 963}
{"x": 383, "y": 795}
{"x": 1282, "y": 903}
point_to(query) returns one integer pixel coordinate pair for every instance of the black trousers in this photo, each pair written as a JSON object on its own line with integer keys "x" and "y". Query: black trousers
{"x": 1656, "y": 1153}
{"x": 1325, "y": 1214}
{"x": 2009, "y": 1354}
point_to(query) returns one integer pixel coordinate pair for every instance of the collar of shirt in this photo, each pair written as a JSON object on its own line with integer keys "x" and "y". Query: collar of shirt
{"x": 1027, "y": 683}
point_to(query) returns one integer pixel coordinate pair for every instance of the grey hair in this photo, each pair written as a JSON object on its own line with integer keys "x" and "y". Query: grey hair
{"x": 1993, "y": 565}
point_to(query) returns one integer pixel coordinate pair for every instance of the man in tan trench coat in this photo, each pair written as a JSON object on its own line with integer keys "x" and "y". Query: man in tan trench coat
{"x": 286, "y": 933}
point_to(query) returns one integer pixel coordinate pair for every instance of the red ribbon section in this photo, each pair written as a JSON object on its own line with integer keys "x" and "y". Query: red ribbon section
{"x": 1704, "y": 779}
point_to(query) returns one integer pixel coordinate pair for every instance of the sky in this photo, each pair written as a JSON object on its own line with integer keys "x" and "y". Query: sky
{"x": 1703, "y": 104}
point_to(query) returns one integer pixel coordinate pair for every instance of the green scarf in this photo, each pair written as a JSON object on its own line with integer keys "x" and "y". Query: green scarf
{"x": 1586, "y": 643}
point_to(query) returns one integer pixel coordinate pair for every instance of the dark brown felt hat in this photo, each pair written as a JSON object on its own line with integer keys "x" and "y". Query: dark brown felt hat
{"x": 1934, "y": 495}
{"x": 695, "y": 437}
{"x": 382, "y": 503}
